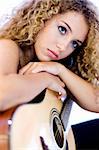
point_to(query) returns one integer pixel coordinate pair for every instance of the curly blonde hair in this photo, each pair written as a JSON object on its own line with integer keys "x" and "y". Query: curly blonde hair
{"x": 29, "y": 20}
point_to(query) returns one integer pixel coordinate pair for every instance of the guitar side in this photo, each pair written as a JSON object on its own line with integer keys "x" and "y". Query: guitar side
{"x": 4, "y": 128}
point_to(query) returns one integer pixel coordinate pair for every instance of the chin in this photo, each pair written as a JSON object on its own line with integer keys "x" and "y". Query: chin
{"x": 44, "y": 59}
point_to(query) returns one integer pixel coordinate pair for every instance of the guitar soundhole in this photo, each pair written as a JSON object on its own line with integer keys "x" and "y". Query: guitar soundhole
{"x": 58, "y": 132}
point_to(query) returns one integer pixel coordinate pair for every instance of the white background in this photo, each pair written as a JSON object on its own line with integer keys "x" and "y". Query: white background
{"x": 77, "y": 114}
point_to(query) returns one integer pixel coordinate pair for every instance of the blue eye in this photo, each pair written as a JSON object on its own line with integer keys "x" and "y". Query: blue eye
{"x": 75, "y": 44}
{"x": 62, "y": 30}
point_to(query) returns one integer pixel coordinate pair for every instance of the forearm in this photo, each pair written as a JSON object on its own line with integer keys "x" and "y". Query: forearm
{"x": 17, "y": 89}
{"x": 86, "y": 95}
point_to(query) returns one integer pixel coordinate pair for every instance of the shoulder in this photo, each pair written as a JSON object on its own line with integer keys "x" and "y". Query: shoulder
{"x": 7, "y": 43}
{"x": 8, "y": 46}
{"x": 9, "y": 56}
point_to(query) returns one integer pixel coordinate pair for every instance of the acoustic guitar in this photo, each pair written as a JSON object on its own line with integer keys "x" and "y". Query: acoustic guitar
{"x": 42, "y": 125}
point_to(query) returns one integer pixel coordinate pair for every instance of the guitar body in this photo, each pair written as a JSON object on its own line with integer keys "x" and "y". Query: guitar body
{"x": 38, "y": 126}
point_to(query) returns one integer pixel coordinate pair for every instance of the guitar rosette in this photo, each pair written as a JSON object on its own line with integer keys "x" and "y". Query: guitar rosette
{"x": 57, "y": 131}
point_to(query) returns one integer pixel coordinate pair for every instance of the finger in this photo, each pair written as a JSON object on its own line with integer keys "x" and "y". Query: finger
{"x": 25, "y": 68}
{"x": 63, "y": 92}
{"x": 33, "y": 66}
{"x": 62, "y": 97}
{"x": 97, "y": 92}
{"x": 61, "y": 82}
{"x": 59, "y": 89}
{"x": 37, "y": 70}
{"x": 38, "y": 67}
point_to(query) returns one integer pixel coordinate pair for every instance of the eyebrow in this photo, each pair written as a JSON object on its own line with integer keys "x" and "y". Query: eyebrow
{"x": 71, "y": 31}
{"x": 67, "y": 26}
{"x": 80, "y": 42}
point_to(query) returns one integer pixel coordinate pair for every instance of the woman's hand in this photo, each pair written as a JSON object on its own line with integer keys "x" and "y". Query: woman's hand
{"x": 50, "y": 71}
{"x": 54, "y": 83}
{"x": 27, "y": 69}
{"x": 36, "y": 67}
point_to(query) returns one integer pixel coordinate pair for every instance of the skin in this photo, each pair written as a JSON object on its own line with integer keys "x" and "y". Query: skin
{"x": 63, "y": 33}
{"x": 60, "y": 42}
{"x": 66, "y": 35}
{"x": 18, "y": 88}
{"x": 60, "y": 45}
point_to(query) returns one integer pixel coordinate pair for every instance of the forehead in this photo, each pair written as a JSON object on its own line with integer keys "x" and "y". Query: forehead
{"x": 77, "y": 23}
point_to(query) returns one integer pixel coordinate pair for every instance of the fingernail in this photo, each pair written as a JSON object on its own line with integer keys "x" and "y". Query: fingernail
{"x": 59, "y": 93}
{"x": 63, "y": 98}
{"x": 33, "y": 71}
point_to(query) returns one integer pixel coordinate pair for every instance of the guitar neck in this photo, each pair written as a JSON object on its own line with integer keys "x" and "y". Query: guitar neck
{"x": 65, "y": 114}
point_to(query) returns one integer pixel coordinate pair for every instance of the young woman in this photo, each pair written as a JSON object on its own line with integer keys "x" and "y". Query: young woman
{"x": 41, "y": 33}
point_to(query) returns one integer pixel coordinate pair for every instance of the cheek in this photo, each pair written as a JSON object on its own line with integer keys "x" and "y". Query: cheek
{"x": 67, "y": 53}
{"x": 39, "y": 40}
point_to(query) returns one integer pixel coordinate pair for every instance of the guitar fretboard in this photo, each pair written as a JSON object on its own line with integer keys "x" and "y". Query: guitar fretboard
{"x": 65, "y": 114}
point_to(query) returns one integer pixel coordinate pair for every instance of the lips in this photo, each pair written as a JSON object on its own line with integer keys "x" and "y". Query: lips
{"x": 52, "y": 54}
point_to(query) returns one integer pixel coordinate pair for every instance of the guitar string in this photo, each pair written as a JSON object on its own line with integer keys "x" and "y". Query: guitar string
{"x": 58, "y": 133}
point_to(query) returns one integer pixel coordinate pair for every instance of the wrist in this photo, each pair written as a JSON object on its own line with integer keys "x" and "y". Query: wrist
{"x": 61, "y": 69}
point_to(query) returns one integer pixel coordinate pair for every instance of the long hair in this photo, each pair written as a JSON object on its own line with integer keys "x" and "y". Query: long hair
{"x": 24, "y": 26}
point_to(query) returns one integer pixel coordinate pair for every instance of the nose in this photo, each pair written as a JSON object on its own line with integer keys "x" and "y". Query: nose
{"x": 62, "y": 45}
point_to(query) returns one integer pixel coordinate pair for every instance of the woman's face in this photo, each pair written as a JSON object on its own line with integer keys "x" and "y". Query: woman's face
{"x": 60, "y": 36}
